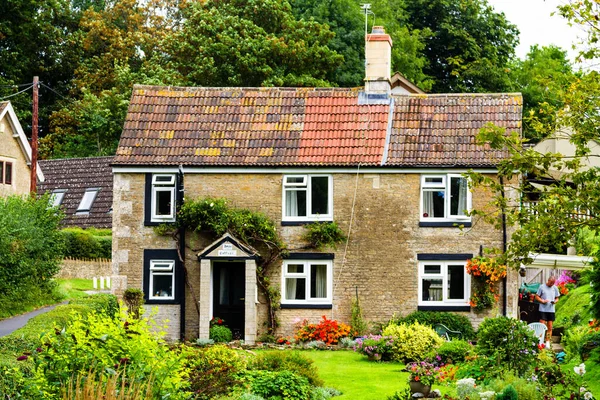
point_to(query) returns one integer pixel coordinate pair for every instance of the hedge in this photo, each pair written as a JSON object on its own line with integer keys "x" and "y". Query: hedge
{"x": 87, "y": 243}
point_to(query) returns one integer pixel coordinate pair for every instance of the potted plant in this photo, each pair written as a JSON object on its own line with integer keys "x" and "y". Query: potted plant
{"x": 376, "y": 347}
{"x": 422, "y": 376}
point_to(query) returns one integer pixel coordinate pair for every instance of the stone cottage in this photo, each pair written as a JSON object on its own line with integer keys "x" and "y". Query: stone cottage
{"x": 386, "y": 167}
{"x": 15, "y": 154}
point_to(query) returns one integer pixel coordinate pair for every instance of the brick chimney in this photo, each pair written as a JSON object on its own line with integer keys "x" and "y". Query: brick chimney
{"x": 378, "y": 54}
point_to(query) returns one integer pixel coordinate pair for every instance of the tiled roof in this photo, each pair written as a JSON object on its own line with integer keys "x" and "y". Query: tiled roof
{"x": 440, "y": 130}
{"x": 251, "y": 126}
{"x": 76, "y": 175}
{"x": 306, "y": 127}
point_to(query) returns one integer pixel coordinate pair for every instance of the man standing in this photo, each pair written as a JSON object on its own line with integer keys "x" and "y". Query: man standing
{"x": 547, "y": 295}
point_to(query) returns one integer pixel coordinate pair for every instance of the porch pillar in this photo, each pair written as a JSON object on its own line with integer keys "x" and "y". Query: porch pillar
{"x": 204, "y": 325}
{"x": 250, "y": 302}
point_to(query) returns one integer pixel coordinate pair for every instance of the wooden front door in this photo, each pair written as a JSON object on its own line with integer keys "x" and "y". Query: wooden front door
{"x": 229, "y": 288}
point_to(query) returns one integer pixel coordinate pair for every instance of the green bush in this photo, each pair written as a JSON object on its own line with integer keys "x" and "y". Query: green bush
{"x": 288, "y": 361}
{"x": 220, "y": 334}
{"x": 412, "y": 341}
{"x": 214, "y": 370}
{"x": 526, "y": 389}
{"x": 509, "y": 393}
{"x": 31, "y": 249}
{"x": 453, "y": 352}
{"x": 133, "y": 299}
{"x": 103, "y": 303}
{"x": 455, "y": 322}
{"x": 87, "y": 243}
{"x": 107, "y": 346}
{"x": 510, "y": 341}
{"x": 278, "y": 385}
{"x": 323, "y": 234}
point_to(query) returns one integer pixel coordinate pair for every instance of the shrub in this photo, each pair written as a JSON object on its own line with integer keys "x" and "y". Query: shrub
{"x": 510, "y": 341}
{"x": 453, "y": 352}
{"x": 455, "y": 322}
{"x": 328, "y": 331}
{"x": 347, "y": 343}
{"x": 323, "y": 234}
{"x": 214, "y": 370}
{"x": 526, "y": 389}
{"x": 509, "y": 393}
{"x": 412, "y": 341}
{"x": 31, "y": 249}
{"x": 574, "y": 340}
{"x": 116, "y": 387}
{"x": 288, "y": 361}
{"x": 358, "y": 324}
{"x": 284, "y": 385}
{"x": 107, "y": 345}
{"x": 133, "y": 299}
{"x": 87, "y": 243}
{"x": 102, "y": 303}
{"x": 220, "y": 334}
{"x": 321, "y": 393}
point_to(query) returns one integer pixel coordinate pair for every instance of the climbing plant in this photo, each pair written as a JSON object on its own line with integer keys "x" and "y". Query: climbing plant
{"x": 214, "y": 217}
{"x": 323, "y": 234}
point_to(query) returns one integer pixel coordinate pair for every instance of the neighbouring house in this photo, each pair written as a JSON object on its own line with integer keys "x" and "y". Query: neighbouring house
{"x": 385, "y": 167}
{"x": 15, "y": 154}
{"x": 82, "y": 187}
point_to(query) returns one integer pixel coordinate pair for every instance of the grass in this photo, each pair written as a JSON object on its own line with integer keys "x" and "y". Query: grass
{"x": 573, "y": 309}
{"x": 66, "y": 289}
{"x": 74, "y": 288}
{"x": 356, "y": 377}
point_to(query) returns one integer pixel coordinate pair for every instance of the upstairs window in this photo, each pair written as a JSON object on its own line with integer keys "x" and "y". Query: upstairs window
{"x": 57, "y": 196}
{"x": 6, "y": 168}
{"x": 307, "y": 198}
{"x": 445, "y": 198}
{"x": 163, "y": 198}
{"x": 87, "y": 200}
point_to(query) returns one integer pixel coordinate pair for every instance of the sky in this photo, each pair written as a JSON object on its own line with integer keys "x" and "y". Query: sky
{"x": 537, "y": 26}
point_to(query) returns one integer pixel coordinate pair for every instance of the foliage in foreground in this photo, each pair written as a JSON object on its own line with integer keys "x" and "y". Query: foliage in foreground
{"x": 30, "y": 253}
{"x": 411, "y": 341}
{"x": 455, "y": 322}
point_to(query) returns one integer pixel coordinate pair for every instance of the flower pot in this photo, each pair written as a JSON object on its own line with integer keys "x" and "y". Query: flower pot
{"x": 418, "y": 387}
{"x": 375, "y": 357}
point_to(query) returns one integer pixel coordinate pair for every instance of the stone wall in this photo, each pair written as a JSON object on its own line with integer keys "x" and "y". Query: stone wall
{"x": 85, "y": 269}
{"x": 381, "y": 257}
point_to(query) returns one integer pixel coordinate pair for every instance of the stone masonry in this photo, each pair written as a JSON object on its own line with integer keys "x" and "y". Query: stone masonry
{"x": 381, "y": 258}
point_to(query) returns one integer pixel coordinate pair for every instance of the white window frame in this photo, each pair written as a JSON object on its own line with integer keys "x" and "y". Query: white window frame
{"x": 162, "y": 183}
{"x": 90, "y": 195}
{"x": 445, "y": 185}
{"x": 57, "y": 196}
{"x": 306, "y": 275}
{"x": 306, "y": 185}
{"x": 156, "y": 270}
{"x": 443, "y": 275}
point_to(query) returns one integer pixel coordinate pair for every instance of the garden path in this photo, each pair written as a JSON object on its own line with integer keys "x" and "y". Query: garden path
{"x": 9, "y": 325}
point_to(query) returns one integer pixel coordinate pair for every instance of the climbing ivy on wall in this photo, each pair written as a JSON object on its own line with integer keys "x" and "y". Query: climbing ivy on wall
{"x": 214, "y": 217}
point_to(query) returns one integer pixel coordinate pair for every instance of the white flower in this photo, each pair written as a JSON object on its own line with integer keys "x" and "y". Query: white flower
{"x": 582, "y": 389}
{"x": 212, "y": 204}
{"x": 487, "y": 395}
{"x": 580, "y": 369}
{"x": 588, "y": 395}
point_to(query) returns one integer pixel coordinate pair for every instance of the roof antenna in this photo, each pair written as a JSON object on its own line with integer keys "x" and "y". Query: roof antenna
{"x": 367, "y": 9}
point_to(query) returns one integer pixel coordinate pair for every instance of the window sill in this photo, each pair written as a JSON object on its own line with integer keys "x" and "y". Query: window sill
{"x": 307, "y": 306}
{"x": 157, "y": 223}
{"x": 444, "y": 224}
{"x": 157, "y": 301}
{"x": 444, "y": 308}
{"x": 300, "y": 223}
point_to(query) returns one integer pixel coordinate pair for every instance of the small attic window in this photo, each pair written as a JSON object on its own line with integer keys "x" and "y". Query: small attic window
{"x": 57, "y": 196}
{"x": 88, "y": 199}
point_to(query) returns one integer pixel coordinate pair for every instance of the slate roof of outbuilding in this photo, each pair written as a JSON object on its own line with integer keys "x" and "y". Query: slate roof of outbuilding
{"x": 269, "y": 127}
{"x": 76, "y": 175}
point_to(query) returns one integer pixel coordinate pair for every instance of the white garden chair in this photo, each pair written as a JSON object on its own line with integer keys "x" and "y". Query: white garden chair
{"x": 539, "y": 329}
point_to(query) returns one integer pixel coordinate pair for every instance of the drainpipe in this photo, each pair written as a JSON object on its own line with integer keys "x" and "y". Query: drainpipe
{"x": 182, "y": 270}
{"x": 504, "y": 284}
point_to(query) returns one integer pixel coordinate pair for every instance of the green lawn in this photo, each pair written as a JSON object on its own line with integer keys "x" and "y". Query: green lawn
{"x": 74, "y": 288}
{"x": 356, "y": 377}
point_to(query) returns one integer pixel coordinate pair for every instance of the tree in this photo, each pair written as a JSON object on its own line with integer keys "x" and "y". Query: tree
{"x": 542, "y": 78}
{"x": 30, "y": 251}
{"x": 248, "y": 43}
{"x": 469, "y": 47}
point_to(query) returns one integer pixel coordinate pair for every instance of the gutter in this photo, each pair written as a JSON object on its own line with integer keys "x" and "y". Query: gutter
{"x": 182, "y": 277}
{"x": 504, "y": 245}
